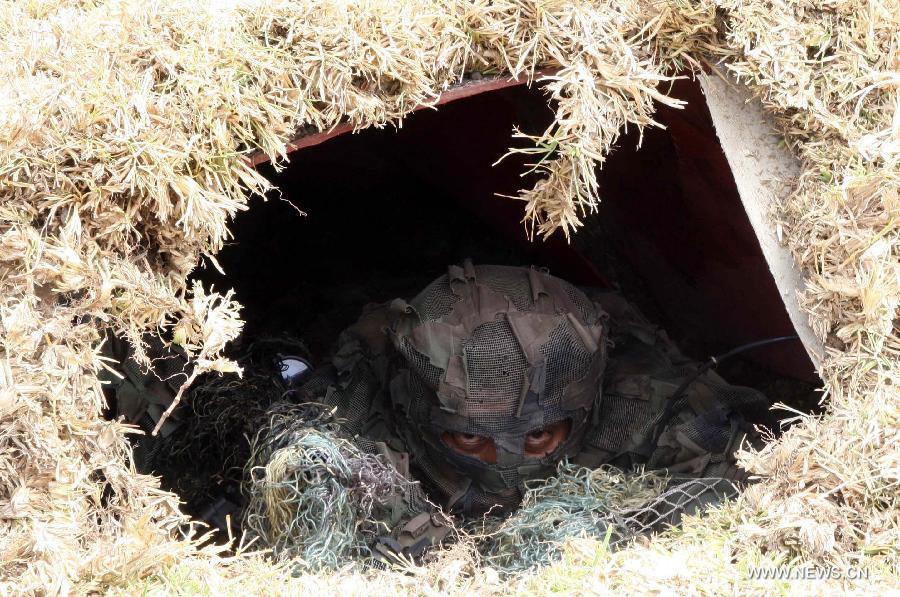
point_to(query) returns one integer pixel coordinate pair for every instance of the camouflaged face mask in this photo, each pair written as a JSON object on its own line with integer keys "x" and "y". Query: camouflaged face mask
{"x": 495, "y": 352}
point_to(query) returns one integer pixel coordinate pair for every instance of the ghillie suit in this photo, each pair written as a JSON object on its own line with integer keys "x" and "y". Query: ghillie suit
{"x": 499, "y": 353}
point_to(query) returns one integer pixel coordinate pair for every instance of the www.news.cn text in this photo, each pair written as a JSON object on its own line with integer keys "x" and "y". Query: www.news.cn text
{"x": 807, "y": 573}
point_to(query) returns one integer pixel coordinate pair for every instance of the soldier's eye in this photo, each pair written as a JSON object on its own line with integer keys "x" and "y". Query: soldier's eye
{"x": 538, "y": 439}
{"x": 545, "y": 440}
{"x": 468, "y": 441}
{"x": 476, "y": 446}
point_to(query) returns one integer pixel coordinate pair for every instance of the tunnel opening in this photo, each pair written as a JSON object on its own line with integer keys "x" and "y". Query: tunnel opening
{"x": 387, "y": 210}
{"x": 368, "y": 217}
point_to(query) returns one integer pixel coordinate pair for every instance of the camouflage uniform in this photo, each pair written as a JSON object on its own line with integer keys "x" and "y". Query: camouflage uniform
{"x": 594, "y": 360}
{"x": 500, "y": 351}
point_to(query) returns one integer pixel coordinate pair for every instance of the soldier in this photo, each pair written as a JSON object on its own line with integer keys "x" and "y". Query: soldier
{"x": 492, "y": 375}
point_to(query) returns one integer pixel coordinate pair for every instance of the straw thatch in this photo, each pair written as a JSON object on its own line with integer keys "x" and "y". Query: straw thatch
{"x": 125, "y": 126}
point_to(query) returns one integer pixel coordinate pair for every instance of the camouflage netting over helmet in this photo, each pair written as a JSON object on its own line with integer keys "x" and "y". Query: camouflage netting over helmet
{"x": 496, "y": 352}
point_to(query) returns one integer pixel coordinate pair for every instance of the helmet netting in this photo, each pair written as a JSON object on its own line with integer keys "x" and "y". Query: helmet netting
{"x": 497, "y": 367}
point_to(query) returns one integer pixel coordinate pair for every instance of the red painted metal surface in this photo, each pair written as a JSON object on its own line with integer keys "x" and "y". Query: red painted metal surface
{"x": 674, "y": 211}
{"x": 466, "y": 89}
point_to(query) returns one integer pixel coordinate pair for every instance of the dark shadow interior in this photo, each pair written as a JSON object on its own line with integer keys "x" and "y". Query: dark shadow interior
{"x": 387, "y": 210}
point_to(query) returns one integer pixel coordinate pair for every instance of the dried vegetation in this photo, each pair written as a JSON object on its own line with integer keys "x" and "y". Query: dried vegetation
{"x": 124, "y": 131}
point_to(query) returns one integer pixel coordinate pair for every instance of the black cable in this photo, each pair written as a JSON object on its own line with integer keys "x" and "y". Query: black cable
{"x": 677, "y": 395}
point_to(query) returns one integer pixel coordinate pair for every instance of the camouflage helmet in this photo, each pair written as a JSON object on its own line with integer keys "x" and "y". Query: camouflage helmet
{"x": 497, "y": 352}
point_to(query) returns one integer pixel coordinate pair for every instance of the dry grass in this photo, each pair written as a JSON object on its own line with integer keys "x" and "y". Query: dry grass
{"x": 124, "y": 127}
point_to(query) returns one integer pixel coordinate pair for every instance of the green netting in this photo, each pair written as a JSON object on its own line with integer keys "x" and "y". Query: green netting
{"x": 314, "y": 497}
{"x": 317, "y": 498}
{"x": 603, "y": 503}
